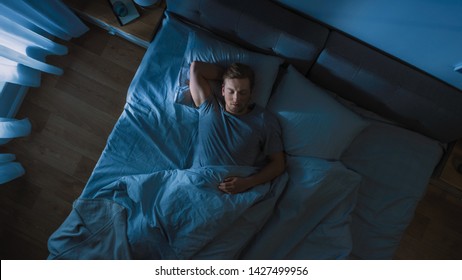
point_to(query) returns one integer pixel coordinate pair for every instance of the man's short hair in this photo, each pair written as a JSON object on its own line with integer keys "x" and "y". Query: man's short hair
{"x": 240, "y": 71}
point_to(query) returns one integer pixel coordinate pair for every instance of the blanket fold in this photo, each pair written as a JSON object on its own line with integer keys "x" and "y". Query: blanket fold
{"x": 169, "y": 214}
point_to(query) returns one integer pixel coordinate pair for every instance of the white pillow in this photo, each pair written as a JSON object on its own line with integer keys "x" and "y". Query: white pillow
{"x": 396, "y": 165}
{"x": 313, "y": 122}
{"x": 208, "y": 48}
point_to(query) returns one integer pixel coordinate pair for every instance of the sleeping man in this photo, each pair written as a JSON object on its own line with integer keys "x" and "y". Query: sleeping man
{"x": 237, "y": 132}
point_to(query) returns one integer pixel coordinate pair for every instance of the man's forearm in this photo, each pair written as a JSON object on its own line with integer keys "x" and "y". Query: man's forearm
{"x": 274, "y": 168}
{"x": 209, "y": 71}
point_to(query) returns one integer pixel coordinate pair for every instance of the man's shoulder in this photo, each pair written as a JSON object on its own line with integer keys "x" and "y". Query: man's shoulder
{"x": 264, "y": 116}
{"x": 258, "y": 110}
{"x": 264, "y": 112}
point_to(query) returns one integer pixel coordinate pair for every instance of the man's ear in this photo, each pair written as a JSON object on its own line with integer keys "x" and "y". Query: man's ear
{"x": 223, "y": 89}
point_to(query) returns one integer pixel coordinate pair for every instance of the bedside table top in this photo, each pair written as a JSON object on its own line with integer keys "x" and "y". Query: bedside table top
{"x": 100, "y": 13}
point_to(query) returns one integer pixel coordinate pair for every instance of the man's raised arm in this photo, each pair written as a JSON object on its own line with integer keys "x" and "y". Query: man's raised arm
{"x": 199, "y": 73}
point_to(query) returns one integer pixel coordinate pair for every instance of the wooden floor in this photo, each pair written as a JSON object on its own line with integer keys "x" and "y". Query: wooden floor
{"x": 72, "y": 116}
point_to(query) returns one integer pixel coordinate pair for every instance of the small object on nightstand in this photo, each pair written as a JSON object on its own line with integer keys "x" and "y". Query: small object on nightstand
{"x": 147, "y": 3}
{"x": 124, "y": 10}
{"x": 120, "y": 9}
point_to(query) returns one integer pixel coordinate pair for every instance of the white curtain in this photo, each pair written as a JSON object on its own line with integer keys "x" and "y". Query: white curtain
{"x": 11, "y": 128}
{"x": 27, "y": 28}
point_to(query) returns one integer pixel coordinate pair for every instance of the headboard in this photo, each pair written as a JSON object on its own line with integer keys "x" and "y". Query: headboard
{"x": 349, "y": 68}
{"x": 271, "y": 30}
{"x": 388, "y": 87}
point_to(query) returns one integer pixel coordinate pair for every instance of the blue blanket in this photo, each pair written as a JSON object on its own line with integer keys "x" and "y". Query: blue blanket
{"x": 170, "y": 214}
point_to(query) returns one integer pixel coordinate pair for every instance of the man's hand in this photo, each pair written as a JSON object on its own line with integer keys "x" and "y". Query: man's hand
{"x": 234, "y": 185}
{"x": 272, "y": 169}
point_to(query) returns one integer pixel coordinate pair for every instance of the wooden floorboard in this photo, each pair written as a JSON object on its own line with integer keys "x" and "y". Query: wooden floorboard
{"x": 72, "y": 116}
{"x": 436, "y": 230}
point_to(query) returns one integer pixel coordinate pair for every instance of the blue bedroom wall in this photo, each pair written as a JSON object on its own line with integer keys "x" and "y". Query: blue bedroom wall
{"x": 423, "y": 33}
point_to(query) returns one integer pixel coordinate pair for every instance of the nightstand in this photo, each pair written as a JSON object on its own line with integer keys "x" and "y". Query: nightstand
{"x": 141, "y": 31}
{"x": 448, "y": 175}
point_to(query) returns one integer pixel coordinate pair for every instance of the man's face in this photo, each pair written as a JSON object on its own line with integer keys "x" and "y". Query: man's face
{"x": 237, "y": 95}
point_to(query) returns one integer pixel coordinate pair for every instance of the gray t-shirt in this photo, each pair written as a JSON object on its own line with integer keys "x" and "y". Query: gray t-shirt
{"x": 227, "y": 139}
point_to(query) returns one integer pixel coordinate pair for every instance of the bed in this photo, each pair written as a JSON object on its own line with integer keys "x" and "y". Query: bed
{"x": 362, "y": 134}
